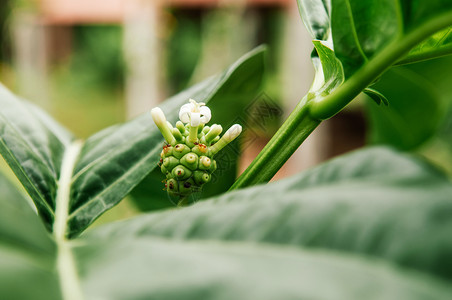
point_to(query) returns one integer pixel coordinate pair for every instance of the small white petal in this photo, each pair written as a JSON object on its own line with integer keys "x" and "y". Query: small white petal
{"x": 232, "y": 132}
{"x": 184, "y": 113}
{"x": 205, "y": 114}
{"x": 195, "y": 119}
{"x": 158, "y": 116}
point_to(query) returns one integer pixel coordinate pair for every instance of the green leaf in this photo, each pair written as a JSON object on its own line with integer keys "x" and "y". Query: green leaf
{"x": 27, "y": 253}
{"x": 329, "y": 73}
{"x": 33, "y": 145}
{"x": 361, "y": 29}
{"x": 376, "y": 96}
{"x": 375, "y": 201}
{"x": 127, "y": 262}
{"x": 437, "y": 45}
{"x": 414, "y": 115}
{"x": 151, "y": 268}
{"x": 316, "y": 17}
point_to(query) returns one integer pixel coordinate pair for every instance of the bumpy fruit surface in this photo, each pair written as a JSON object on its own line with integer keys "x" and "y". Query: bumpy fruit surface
{"x": 186, "y": 169}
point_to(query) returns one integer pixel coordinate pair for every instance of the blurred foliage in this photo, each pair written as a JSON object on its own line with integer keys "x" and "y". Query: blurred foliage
{"x": 87, "y": 89}
{"x": 5, "y": 42}
{"x": 183, "y": 47}
{"x": 98, "y": 55}
{"x": 419, "y": 116}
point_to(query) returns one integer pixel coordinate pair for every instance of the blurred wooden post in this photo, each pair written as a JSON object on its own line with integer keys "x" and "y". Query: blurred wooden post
{"x": 30, "y": 57}
{"x": 141, "y": 56}
{"x": 228, "y": 29}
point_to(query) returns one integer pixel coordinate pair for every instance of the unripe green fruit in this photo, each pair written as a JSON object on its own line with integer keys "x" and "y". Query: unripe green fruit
{"x": 181, "y": 173}
{"x": 186, "y": 171}
{"x": 201, "y": 177}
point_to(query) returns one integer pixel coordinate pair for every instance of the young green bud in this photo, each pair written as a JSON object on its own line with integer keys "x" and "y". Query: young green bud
{"x": 180, "y": 126}
{"x": 200, "y": 149}
{"x": 201, "y": 177}
{"x": 177, "y": 135}
{"x": 228, "y": 137}
{"x": 190, "y": 160}
{"x": 214, "y": 131}
{"x": 160, "y": 120}
{"x": 180, "y": 150}
{"x": 181, "y": 173}
{"x": 170, "y": 162}
{"x": 204, "y": 163}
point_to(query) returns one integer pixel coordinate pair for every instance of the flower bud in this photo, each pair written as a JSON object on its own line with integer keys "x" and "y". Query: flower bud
{"x": 228, "y": 137}
{"x": 160, "y": 120}
{"x": 190, "y": 160}
{"x": 180, "y": 150}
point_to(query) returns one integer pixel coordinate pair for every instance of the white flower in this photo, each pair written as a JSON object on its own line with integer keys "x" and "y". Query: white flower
{"x": 194, "y": 113}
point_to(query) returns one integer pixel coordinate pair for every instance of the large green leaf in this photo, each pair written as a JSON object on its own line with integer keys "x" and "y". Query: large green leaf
{"x": 361, "y": 29}
{"x": 151, "y": 268}
{"x": 129, "y": 261}
{"x": 316, "y": 17}
{"x": 374, "y": 201}
{"x": 414, "y": 114}
{"x": 33, "y": 145}
{"x": 420, "y": 96}
{"x": 27, "y": 254}
{"x": 72, "y": 182}
{"x": 437, "y": 45}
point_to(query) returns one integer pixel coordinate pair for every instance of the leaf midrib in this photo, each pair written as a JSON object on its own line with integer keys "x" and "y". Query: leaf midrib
{"x": 130, "y": 170}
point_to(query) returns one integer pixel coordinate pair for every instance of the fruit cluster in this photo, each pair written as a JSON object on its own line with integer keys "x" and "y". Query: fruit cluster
{"x": 187, "y": 157}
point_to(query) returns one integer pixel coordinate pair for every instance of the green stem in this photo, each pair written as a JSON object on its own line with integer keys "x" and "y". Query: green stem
{"x": 308, "y": 114}
{"x": 287, "y": 139}
{"x": 193, "y": 134}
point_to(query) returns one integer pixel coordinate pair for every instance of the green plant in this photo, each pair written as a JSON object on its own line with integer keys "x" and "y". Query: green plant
{"x": 373, "y": 224}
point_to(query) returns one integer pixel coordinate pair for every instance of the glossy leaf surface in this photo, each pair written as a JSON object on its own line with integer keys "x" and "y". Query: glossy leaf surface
{"x": 27, "y": 254}
{"x": 415, "y": 112}
{"x": 437, "y": 45}
{"x": 33, "y": 145}
{"x": 152, "y": 268}
{"x": 326, "y": 207}
{"x": 372, "y": 201}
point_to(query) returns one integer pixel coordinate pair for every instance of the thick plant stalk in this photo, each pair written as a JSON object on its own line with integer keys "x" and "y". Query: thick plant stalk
{"x": 287, "y": 139}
